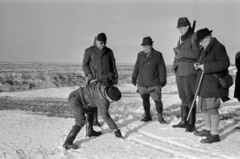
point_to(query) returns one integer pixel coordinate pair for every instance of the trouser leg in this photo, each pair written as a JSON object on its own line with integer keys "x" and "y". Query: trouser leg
{"x": 159, "y": 108}
{"x": 89, "y": 126}
{"x": 146, "y": 107}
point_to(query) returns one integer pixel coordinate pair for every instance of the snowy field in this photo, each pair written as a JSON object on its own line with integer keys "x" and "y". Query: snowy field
{"x": 25, "y": 135}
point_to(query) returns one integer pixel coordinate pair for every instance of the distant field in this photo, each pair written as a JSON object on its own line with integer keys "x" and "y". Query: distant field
{"x": 28, "y": 76}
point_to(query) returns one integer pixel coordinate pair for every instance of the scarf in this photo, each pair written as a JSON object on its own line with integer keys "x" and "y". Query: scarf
{"x": 187, "y": 34}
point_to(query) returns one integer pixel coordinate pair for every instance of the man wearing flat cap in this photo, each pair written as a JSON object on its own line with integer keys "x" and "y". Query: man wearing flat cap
{"x": 98, "y": 62}
{"x": 214, "y": 62}
{"x": 149, "y": 75}
{"x": 186, "y": 54}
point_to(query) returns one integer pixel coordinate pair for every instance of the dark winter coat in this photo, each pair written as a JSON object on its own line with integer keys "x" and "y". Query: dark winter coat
{"x": 188, "y": 54}
{"x": 237, "y": 80}
{"x": 93, "y": 96}
{"x": 100, "y": 64}
{"x": 150, "y": 71}
{"x": 215, "y": 60}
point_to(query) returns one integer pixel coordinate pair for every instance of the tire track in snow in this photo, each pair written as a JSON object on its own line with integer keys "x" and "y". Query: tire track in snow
{"x": 173, "y": 147}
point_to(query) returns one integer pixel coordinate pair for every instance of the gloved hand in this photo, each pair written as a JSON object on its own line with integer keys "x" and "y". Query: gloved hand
{"x": 134, "y": 81}
{"x": 115, "y": 81}
{"x": 162, "y": 84}
{"x": 89, "y": 78}
{"x": 118, "y": 133}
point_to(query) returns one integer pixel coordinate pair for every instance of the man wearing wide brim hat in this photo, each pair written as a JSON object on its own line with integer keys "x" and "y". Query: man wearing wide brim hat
{"x": 214, "y": 62}
{"x": 186, "y": 53}
{"x": 149, "y": 75}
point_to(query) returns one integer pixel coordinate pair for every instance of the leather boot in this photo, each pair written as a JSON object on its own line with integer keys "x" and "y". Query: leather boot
{"x": 146, "y": 107}
{"x": 183, "y": 122}
{"x": 191, "y": 121}
{"x": 95, "y": 119}
{"x": 161, "y": 119}
{"x": 89, "y": 127}
{"x": 71, "y": 136}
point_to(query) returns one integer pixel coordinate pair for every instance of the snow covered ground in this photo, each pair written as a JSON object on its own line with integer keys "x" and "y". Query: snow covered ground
{"x": 25, "y": 135}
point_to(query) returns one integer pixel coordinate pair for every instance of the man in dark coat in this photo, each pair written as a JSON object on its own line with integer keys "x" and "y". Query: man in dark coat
{"x": 150, "y": 76}
{"x": 84, "y": 101}
{"x": 186, "y": 53}
{"x": 99, "y": 61}
{"x": 237, "y": 79}
{"x": 213, "y": 61}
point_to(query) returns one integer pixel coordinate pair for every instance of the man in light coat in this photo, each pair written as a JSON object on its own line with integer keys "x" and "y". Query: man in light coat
{"x": 84, "y": 101}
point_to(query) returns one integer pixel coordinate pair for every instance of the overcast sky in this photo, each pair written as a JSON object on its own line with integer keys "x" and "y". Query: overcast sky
{"x": 60, "y": 31}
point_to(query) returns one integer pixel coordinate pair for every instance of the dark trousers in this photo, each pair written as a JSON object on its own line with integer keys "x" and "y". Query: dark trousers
{"x": 186, "y": 88}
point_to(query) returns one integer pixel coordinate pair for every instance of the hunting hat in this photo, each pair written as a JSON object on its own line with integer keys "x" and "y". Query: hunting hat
{"x": 147, "y": 41}
{"x": 101, "y": 37}
{"x": 202, "y": 33}
{"x": 183, "y": 21}
{"x": 114, "y": 93}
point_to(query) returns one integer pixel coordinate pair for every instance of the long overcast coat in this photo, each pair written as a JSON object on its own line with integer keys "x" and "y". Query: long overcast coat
{"x": 100, "y": 64}
{"x": 150, "y": 71}
{"x": 215, "y": 60}
{"x": 237, "y": 80}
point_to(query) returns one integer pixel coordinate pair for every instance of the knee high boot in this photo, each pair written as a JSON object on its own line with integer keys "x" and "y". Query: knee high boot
{"x": 89, "y": 127}
{"x": 183, "y": 122}
{"x": 95, "y": 119}
{"x": 71, "y": 136}
{"x": 146, "y": 107}
{"x": 159, "y": 107}
{"x": 191, "y": 121}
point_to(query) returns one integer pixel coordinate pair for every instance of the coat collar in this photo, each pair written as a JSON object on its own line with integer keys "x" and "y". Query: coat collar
{"x": 151, "y": 55}
{"x": 210, "y": 45}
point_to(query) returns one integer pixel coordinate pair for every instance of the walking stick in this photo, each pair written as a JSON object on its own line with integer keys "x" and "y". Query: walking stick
{"x": 200, "y": 81}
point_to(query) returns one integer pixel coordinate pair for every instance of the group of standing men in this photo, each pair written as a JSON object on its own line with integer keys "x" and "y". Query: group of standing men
{"x": 195, "y": 54}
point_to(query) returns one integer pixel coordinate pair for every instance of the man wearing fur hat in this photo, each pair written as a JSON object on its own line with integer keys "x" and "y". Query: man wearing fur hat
{"x": 213, "y": 61}
{"x": 150, "y": 76}
{"x": 186, "y": 53}
{"x": 99, "y": 61}
{"x": 84, "y": 101}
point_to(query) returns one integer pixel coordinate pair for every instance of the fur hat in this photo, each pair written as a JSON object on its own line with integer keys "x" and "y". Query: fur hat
{"x": 202, "y": 33}
{"x": 183, "y": 21}
{"x": 114, "y": 93}
{"x": 101, "y": 37}
{"x": 147, "y": 41}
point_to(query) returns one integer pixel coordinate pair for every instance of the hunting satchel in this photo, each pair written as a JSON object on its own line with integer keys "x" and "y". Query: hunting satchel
{"x": 225, "y": 81}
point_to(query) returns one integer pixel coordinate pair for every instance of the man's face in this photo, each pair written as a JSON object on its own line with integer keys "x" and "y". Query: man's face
{"x": 183, "y": 29}
{"x": 147, "y": 49}
{"x": 204, "y": 42}
{"x": 100, "y": 44}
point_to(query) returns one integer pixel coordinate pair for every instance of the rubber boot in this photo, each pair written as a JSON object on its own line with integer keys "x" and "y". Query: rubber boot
{"x": 159, "y": 108}
{"x": 89, "y": 127}
{"x": 161, "y": 119}
{"x": 71, "y": 136}
{"x": 191, "y": 121}
{"x": 146, "y": 107}
{"x": 183, "y": 122}
{"x": 95, "y": 119}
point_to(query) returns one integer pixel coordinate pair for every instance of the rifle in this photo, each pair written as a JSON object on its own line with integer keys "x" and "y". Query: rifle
{"x": 194, "y": 24}
{"x": 94, "y": 42}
